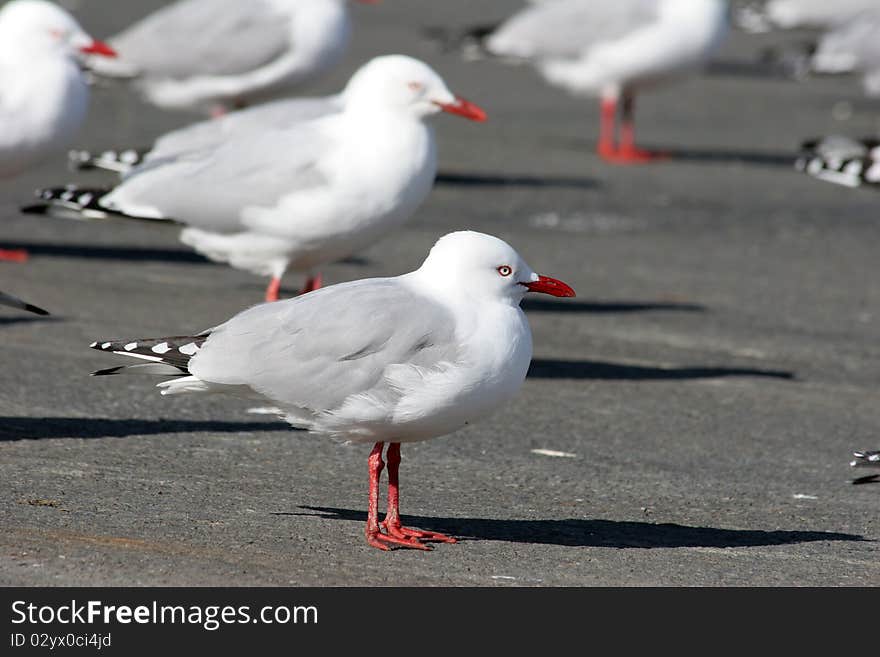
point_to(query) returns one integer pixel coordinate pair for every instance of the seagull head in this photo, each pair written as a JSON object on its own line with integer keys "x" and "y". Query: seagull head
{"x": 484, "y": 267}
{"x": 31, "y": 26}
{"x": 405, "y": 84}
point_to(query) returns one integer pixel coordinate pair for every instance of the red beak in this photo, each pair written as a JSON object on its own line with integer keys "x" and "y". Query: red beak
{"x": 98, "y": 48}
{"x": 550, "y": 286}
{"x": 464, "y": 108}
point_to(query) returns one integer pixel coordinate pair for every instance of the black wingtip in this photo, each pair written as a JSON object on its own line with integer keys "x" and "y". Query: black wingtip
{"x": 109, "y": 371}
{"x": 35, "y": 309}
{"x": 35, "y": 208}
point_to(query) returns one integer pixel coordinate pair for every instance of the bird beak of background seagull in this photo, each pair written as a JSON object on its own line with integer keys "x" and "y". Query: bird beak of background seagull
{"x": 551, "y": 286}
{"x": 463, "y": 108}
{"x": 98, "y": 48}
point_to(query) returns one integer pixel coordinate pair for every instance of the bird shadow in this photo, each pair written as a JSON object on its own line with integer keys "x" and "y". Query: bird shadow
{"x": 784, "y": 159}
{"x": 5, "y": 321}
{"x": 594, "y": 370}
{"x": 35, "y": 428}
{"x": 578, "y": 532}
{"x": 608, "y": 307}
{"x": 470, "y": 179}
{"x": 141, "y": 254}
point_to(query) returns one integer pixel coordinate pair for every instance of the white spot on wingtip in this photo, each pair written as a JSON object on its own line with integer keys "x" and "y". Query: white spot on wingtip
{"x": 265, "y": 410}
{"x": 105, "y": 345}
{"x": 189, "y": 349}
{"x": 553, "y": 452}
{"x": 94, "y": 344}
{"x": 131, "y": 346}
{"x": 161, "y": 348}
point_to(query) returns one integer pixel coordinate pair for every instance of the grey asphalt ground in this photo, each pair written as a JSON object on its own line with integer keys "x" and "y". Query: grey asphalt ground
{"x": 711, "y": 379}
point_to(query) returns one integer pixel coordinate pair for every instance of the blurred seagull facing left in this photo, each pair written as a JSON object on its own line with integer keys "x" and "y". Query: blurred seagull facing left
{"x": 44, "y": 96}
{"x": 298, "y": 197}
{"x": 613, "y": 49}
{"x": 218, "y": 54}
{"x": 395, "y": 360}
{"x": 15, "y": 302}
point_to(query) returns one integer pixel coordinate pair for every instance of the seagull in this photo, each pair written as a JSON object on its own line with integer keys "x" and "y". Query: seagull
{"x": 216, "y": 54}
{"x": 613, "y": 49}
{"x": 378, "y": 360}
{"x": 43, "y": 93}
{"x": 297, "y": 197}
{"x": 15, "y": 302}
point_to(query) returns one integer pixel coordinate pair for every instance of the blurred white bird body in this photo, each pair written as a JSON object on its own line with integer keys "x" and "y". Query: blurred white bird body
{"x": 853, "y": 46}
{"x": 200, "y": 54}
{"x": 795, "y": 14}
{"x": 604, "y": 48}
{"x": 43, "y": 93}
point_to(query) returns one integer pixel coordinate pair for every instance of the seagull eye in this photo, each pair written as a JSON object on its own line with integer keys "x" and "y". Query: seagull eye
{"x": 416, "y": 86}
{"x": 504, "y": 270}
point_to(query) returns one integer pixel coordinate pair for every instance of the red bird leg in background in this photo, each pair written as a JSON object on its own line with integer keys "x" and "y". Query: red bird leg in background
{"x": 312, "y": 283}
{"x": 13, "y": 255}
{"x": 274, "y": 288}
{"x": 608, "y": 128}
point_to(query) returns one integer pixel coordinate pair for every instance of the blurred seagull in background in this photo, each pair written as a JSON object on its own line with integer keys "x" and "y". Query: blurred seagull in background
{"x": 296, "y": 197}
{"x": 219, "y": 54}
{"x": 44, "y": 96}
{"x": 379, "y": 360}
{"x": 800, "y": 14}
{"x": 613, "y": 49}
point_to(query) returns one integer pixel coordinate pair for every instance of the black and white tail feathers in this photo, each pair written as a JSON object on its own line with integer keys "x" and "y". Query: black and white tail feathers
{"x": 116, "y": 161}
{"x": 75, "y": 202}
{"x": 468, "y": 41}
{"x": 842, "y": 160}
{"x": 70, "y": 202}
{"x": 167, "y": 356}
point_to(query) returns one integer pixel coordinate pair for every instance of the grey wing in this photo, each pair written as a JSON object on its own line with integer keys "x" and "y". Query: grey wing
{"x": 567, "y": 28}
{"x": 314, "y": 352}
{"x": 277, "y": 115}
{"x": 205, "y": 37}
{"x": 209, "y": 188}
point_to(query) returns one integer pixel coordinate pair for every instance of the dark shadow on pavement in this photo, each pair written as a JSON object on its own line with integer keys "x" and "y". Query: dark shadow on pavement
{"x": 577, "y": 532}
{"x": 608, "y": 307}
{"x": 89, "y": 251}
{"x": 543, "y": 368}
{"x": 466, "y": 179}
{"x": 725, "y": 156}
{"x": 34, "y": 428}
{"x": 4, "y": 321}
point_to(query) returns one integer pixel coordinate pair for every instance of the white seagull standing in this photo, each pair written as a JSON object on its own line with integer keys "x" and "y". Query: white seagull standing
{"x": 44, "y": 97}
{"x": 216, "y": 54}
{"x": 613, "y": 49}
{"x": 379, "y": 360}
{"x": 297, "y": 197}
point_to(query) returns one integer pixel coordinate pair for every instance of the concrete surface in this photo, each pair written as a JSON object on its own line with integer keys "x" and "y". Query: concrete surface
{"x": 711, "y": 379}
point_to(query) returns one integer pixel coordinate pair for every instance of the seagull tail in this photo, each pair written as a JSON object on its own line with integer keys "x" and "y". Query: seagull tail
{"x": 866, "y": 459}
{"x": 117, "y": 161}
{"x": 75, "y": 202}
{"x": 850, "y": 163}
{"x": 470, "y": 41}
{"x": 167, "y": 356}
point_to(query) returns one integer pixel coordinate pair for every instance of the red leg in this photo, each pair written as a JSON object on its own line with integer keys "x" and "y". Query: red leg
{"x": 629, "y": 153}
{"x": 607, "y": 127}
{"x": 274, "y": 289}
{"x": 391, "y": 524}
{"x": 13, "y": 255}
{"x": 312, "y": 283}
{"x": 375, "y": 537}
